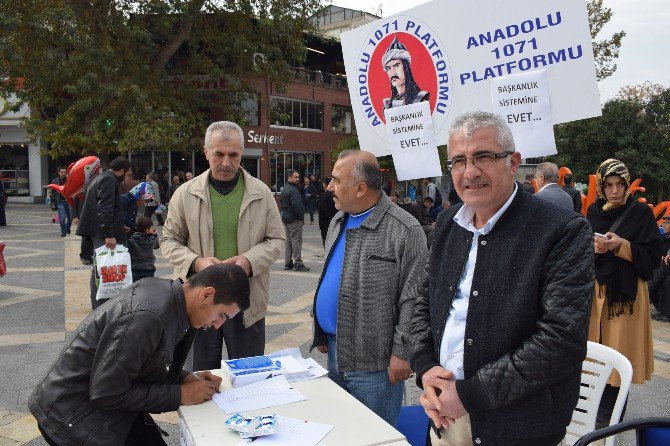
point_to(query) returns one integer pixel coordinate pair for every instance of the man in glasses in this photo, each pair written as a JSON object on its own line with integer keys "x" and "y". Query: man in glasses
{"x": 125, "y": 360}
{"x": 500, "y": 326}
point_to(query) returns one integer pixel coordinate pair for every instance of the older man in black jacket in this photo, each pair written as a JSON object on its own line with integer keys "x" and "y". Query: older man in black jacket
{"x": 125, "y": 360}
{"x": 500, "y": 327}
{"x": 102, "y": 218}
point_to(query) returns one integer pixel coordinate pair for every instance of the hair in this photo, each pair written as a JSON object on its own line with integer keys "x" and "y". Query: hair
{"x": 529, "y": 177}
{"x": 290, "y": 174}
{"x": 567, "y": 179}
{"x": 470, "y": 122}
{"x": 58, "y": 169}
{"x": 230, "y": 282}
{"x": 428, "y": 199}
{"x": 549, "y": 171}
{"x": 411, "y": 87}
{"x": 152, "y": 176}
{"x": 224, "y": 130}
{"x": 407, "y": 200}
{"x": 364, "y": 170}
{"x": 119, "y": 163}
{"x": 143, "y": 223}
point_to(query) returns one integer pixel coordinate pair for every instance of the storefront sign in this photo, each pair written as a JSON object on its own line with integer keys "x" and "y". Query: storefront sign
{"x": 265, "y": 138}
{"x": 447, "y": 54}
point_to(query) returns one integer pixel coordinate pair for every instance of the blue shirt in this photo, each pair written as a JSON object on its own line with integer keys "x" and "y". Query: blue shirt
{"x": 326, "y": 299}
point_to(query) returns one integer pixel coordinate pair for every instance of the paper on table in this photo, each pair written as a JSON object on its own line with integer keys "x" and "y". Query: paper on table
{"x": 315, "y": 369}
{"x": 294, "y": 432}
{"x": 260, "y": 395}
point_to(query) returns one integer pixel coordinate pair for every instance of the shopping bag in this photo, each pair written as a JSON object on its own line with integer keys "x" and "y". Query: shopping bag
{"x": 112, "y": 270}
{"x": 3, "y": 265}
{"x": 161, "y": 209}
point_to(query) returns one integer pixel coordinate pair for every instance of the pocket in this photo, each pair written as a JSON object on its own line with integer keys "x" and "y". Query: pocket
{"x": 382, "y": 259}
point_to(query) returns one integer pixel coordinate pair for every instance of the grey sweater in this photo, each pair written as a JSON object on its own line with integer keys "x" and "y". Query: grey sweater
{"x": 381, "y": 273}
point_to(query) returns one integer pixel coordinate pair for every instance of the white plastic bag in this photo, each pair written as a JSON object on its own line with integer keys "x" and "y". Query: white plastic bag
{"x": 112, "y": 270}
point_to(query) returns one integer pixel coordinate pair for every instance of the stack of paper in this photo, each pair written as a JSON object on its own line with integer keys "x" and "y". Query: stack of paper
{"x": 289, "y": 362}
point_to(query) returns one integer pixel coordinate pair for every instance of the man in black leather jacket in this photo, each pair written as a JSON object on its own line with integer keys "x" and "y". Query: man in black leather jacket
{"x": 125, "y": 360}
{"x": 102, "y": 218}
{"x": 500, "y": 325}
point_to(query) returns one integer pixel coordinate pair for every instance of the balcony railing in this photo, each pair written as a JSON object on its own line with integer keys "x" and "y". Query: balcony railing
{"x": 317, "y": 77}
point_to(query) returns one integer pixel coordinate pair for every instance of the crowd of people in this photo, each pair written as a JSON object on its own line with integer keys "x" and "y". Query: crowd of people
{"x": 487, "y": 299}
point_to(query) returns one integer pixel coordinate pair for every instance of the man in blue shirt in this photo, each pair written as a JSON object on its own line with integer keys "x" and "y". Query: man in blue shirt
{"x": 375, "y": 253}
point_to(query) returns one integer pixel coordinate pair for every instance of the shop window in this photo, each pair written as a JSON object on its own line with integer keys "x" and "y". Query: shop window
{"x": 283, "y": 162}
{"x": 342, "y": 120}
{"x": 296, "y": 114}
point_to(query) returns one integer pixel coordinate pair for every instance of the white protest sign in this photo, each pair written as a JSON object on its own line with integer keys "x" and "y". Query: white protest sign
{"x": 522, "y": 100}
{"x": 446, "y": 53}
{"x": 412, "y": 140}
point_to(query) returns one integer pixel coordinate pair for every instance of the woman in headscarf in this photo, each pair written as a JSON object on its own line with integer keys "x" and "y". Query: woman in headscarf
{"x": 627, "y": 252}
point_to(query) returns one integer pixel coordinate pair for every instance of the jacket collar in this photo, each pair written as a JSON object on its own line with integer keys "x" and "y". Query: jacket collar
{"x": 512, "y": 210}
{"x": 178, "y": 295}
{"x": 375, "y": 216}
{"x": 200, "y": 187}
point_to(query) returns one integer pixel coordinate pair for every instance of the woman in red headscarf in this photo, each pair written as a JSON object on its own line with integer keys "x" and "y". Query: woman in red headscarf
{"x": 628, "y": 248}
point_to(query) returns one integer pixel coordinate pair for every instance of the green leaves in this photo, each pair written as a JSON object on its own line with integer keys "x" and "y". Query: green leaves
{"x": 99, "y": 74}
{"x": 633, "y": 128}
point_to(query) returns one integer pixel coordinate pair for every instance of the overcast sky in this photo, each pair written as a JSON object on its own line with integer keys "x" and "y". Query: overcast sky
{"x": 645, "y": 53}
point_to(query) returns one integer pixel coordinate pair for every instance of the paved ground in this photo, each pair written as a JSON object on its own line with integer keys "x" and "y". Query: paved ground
{"x": 45, "y": 294}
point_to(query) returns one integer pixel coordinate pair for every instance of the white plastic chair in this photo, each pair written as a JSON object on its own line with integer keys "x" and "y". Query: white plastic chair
{"x": 596, "y": 370}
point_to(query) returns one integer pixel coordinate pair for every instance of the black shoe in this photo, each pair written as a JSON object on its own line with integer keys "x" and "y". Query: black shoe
{"x": 62, "y": 234}
{"x": 69, "y": 231}
{"x": 288, "y": 266}
{"x": 86, "y": 261}
{"x": 300, "y": 268}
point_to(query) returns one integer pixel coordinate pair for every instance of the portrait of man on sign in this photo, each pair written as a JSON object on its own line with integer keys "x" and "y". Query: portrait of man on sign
{"x": 397, "y": 65}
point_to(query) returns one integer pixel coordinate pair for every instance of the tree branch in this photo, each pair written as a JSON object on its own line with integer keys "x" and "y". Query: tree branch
{"x": 183, "y": 33}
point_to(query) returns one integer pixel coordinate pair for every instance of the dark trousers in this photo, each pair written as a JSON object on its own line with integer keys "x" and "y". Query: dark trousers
{"x": 241, "y": 342}
{"x": 150, "y": 210}
{"x": 86, "y": 248}
{"x": 142, "y": 273}
{"x": 143, "y": 432}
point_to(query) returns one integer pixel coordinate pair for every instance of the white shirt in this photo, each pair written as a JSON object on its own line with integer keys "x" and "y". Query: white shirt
{"x": 451, "y": 347}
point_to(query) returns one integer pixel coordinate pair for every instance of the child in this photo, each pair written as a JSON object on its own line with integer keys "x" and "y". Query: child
{"x": 141, "y": 246}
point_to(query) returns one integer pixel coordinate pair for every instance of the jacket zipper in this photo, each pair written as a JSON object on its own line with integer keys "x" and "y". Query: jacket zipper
{"x": 316, "y": 293}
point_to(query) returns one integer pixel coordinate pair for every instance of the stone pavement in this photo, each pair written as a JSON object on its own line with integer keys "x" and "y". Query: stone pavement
{"x": 45, "y": 295}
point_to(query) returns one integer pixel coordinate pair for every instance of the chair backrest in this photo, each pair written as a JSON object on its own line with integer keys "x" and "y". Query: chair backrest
{"x": 596, "y": 370}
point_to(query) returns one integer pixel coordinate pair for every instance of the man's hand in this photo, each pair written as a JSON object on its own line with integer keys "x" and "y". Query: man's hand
{"x": 666, "y": 260}
{"x": 398, "y": 370}
{"x": 322, "y": 348}
{"x": 198, "y": 390}
{"x": 208, "y": 376}
{"x": 240, "y": 261}
{"x": 434, "y": 383}
{"x": 75, "y": 221}
{"x": 203, "y": 262}
{"x": 110, "y": 242}
{"x": 452, "y": 408}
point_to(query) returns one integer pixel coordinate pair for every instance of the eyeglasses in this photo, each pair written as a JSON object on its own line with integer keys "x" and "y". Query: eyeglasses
{"x": 481, "y": 160}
